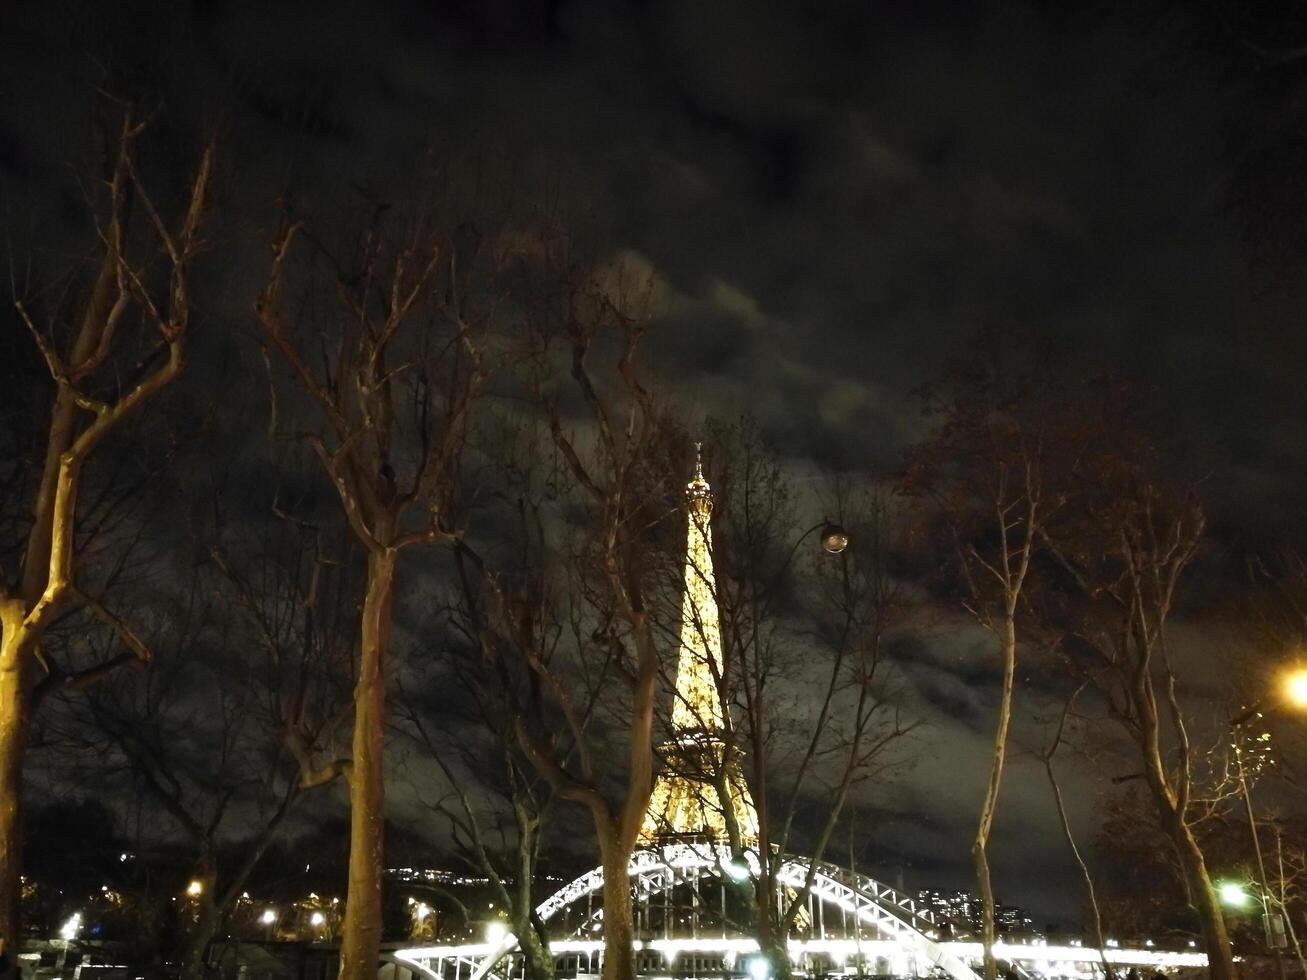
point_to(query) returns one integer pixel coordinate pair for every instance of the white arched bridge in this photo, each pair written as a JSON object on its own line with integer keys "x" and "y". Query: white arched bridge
{"x": 685, "y": 927}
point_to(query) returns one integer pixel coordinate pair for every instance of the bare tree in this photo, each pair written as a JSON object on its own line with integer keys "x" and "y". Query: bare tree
{"x": 494, "y": 803}
{"x": 393, "y": 368}
{"x": 985, "y": 468}
{"x": 576, "y": 629}
{"x": 1091, "y": 894}
{"x": 266, "y": 639}
{"x": 806, "y": 733}
{"x": 1125, "y": 546}
{"x": 101, "y": 379}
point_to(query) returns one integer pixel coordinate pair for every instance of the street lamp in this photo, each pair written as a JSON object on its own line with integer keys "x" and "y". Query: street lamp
{"x": 1294, "y": 692}
{"x": 834, "y": 539}
{"x": 1295, "y": 688}
{"x": 736, "y": 870}
{"x": 269, "y": 919}
{"x": 1233, "y": 894}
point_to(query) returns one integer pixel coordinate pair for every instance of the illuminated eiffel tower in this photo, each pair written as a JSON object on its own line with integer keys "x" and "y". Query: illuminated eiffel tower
{"x": 686, "y": 803}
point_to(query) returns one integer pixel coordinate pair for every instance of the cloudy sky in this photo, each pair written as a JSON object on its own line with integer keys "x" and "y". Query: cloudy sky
{"x": 833, "y": 196}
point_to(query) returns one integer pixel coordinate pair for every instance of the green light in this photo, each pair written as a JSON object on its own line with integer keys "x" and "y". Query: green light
{"x": 1232, "y": 894}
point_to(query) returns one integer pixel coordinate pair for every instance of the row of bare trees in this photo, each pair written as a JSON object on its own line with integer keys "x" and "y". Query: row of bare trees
{"x": 457, "y": 411}
{"x": 1071, "y": 543}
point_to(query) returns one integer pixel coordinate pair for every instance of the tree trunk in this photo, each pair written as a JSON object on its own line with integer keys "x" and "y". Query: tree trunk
{"x": 1220, "y": 959}
{"x": 201, "y": 932}
{"x": 539, "y": 962}
{"x": 1090, "y": 893}
{"x": 619, "y": 928}
{"x": 980, "y": 849}
{"x": 13, "y": 746}
{"x": 361, "y": 933}
{"x": 981, "y": 857}
{"x": 214, "y": 905}
{"x": 773, "y": 944}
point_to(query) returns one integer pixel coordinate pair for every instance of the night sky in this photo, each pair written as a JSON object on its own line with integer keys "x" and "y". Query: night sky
{"x": 832, "y": 196}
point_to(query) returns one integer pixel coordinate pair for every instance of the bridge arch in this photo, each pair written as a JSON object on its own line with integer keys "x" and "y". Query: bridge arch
{"x": 654, "y": 872}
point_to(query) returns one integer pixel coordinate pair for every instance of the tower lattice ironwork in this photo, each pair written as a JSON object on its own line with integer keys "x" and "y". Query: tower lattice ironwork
{"x": 698, "y": 764}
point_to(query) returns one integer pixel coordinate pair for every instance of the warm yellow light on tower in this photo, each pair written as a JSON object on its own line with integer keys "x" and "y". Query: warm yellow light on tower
{"x": 195, "y": 888}
{"x": 1295, "y": 688}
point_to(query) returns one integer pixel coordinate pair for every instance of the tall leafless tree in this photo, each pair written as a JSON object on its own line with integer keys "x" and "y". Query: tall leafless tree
{"x": 110, "y": 353}
{"x": 576, "y": 629}
{"x": 1125, "y": 544}
{"x": 985, "y": 469}
{"x": 389, "y": 343}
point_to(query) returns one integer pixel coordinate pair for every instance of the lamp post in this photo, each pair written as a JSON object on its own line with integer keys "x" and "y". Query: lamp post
{"x": 1295, "y": 694}
{"x": 834, "y": 541}
{"x": 1272, "y": 924}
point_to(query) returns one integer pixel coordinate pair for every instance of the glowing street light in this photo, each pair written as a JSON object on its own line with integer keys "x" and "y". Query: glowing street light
{"x": 1295, "y": 688}
{"x": 317, "y": 919}
{"x": 759, "y": 968}
{"x": 834, "y": 539}
{"x": 495, "y": 932}
{"x": 737, "y": 870}
{"x": 195, "y": 889}
{"x": 69, "y": 930}
{"x": 1233, "y": 894}
{"x": 268, "y": 917}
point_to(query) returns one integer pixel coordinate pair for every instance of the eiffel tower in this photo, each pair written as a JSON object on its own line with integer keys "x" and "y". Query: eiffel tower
{"x": 685, "y": 804}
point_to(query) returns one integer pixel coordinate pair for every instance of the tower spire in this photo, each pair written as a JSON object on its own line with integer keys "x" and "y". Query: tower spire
{"x": 685, "y": 800}
{"x": 698, "y": 707}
